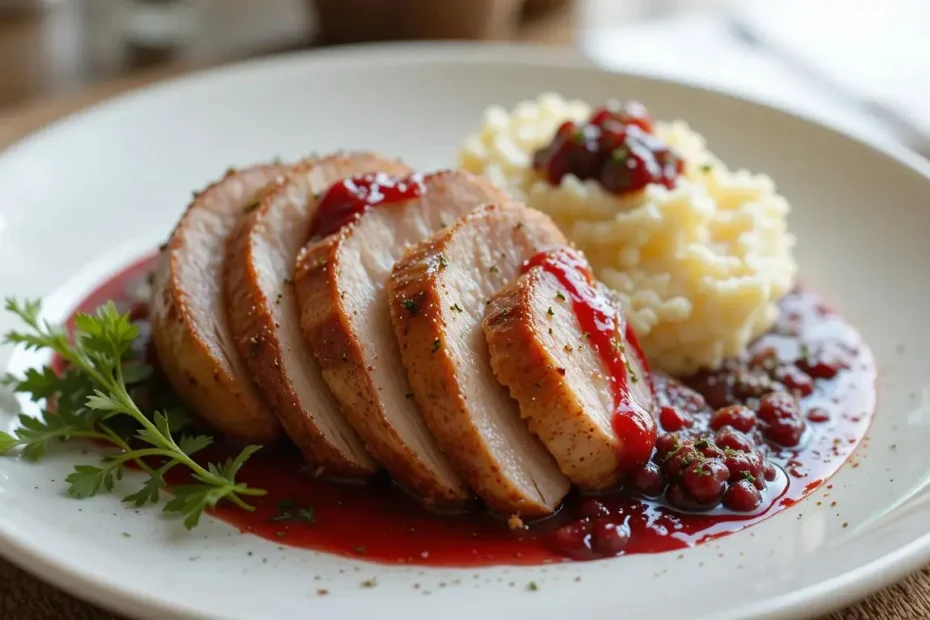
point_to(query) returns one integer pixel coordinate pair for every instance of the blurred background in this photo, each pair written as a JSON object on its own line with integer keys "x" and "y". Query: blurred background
{"x": 864, "y": 64}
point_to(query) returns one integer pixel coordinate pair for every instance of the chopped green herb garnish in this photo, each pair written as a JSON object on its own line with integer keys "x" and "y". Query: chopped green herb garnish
{"x": 435, "y": 345}
{"x": 456, "y": 307}
{"x": 748, "y": 476}
{"x": 705, "y": 168}
{"x": 409, "y": 305}
{"x": 532, "y": 587}
{"x": 443, "y": 262}
{"x": 629, "y": 370}
{"x": 560, "y": 296}
{"x": 620, "y": 153}
{"x": 701, "y": 444}
{"x": 550, "y": 312}
{"x": 494, "y": 269}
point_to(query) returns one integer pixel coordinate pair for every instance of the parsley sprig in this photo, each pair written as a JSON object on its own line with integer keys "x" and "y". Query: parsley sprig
{"x": 84, "y": 402}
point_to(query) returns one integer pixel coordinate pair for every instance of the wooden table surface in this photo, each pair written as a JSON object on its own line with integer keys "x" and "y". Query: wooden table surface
{"x": 24, "y": 597}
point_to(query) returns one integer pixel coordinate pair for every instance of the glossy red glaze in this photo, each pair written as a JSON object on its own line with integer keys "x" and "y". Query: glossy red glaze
{"x": 610, "y": 336}
{"x": 616, "y": 146}
{"x": 380, "y": 523}
{"x": 346, "y": 200}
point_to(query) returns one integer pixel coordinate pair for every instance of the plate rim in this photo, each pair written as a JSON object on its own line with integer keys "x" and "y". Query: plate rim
{"x": 845, "y": 588}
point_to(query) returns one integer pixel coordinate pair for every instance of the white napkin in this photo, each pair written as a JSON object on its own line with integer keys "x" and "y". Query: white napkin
{"x": 701, "y": 48}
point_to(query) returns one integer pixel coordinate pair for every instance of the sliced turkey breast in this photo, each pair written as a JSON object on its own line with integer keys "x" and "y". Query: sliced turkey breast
{"x": 437, "y": 296}
{"x": 189, "y": 320}
{"x": 266, "y": 322}
{"x": 559, "y": 343}
{"x": 340, "y": 284}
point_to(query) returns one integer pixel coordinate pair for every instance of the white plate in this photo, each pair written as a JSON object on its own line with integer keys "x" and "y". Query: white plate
{"x": 87, "y": 195}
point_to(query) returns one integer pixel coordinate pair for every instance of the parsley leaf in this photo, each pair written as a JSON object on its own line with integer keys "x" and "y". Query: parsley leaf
{"x": 92, "y": 397}
{"x": 7, "y": 442}
{"x": 87, "y": 480}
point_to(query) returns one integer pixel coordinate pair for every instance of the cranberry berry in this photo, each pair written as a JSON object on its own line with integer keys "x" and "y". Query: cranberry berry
{"x": 794, "y": 379}
{"x": 648, "y": 480}
{"x": 742, "y": 496}
{"x": 737, "y": 416}
{"x": 672, "y": 419}
{"x": 732, "y": 439}
{"x": 705, "y": 481}
{"x": 782, "y": 421}
{"x": 589, "y": 539}
{"x": 667, "y": 443}
{"x": 609, "y": 538}
{"x": 615, "y": 147}
{"x": 591, "y": 508}
{"x": 679, "y": 460}
{"x": 744, "y": 464}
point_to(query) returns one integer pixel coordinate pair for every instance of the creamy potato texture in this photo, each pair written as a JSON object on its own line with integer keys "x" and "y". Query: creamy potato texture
{"x": 699, "y": 267}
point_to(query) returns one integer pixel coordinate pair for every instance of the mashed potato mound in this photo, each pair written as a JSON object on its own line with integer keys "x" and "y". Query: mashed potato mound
{"x": 699, "y": 268}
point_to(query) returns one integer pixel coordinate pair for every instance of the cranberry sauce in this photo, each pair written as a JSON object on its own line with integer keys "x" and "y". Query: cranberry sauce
{"x": 735, "y": 446}
{"x": 616, "y": 146}
{"x": 609, "y": 334}
{"x": 346, "y": 200}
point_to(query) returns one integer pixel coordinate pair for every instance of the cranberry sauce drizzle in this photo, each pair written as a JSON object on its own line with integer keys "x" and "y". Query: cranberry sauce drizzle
{"x": 346, "y": 200}
{"x": 616, "y": 146}
{"x": 609, "y": 334}
{"x": 812, "y": 352}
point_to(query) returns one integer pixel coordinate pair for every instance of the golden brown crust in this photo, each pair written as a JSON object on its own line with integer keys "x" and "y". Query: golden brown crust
{"x": 354, "y": 358}
{"x": 432, "y": 368}
{"x": 325, "y": 323}
{"x": 253, "y": 314}
{"x": 529, "y": 355}
{"x": 191, "y": 343}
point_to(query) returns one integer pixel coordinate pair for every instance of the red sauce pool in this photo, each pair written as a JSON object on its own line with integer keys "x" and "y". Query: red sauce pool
{"x": 345, "y": 200}
{"x": 633, "y": 424}
{"x": 378, "y": 522}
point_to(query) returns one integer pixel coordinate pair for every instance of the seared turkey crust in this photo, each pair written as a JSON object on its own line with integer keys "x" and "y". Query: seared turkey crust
{"x": 540, "y": 352}
{"x": 340, "y": 284}
{"x": 190, "y": 326}
{"x": 265, "y": 319}
{"x": 437, "y": 296}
